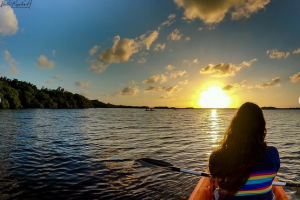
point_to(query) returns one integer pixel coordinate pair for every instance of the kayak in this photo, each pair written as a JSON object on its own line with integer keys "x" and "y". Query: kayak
{"x": 204, "y": 191}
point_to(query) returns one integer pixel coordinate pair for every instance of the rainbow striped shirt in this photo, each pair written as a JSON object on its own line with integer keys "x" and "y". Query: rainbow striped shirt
{"x": 258, "y": 183}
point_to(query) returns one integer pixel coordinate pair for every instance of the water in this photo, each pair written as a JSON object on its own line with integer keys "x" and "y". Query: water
{"x": 89, "y": 154}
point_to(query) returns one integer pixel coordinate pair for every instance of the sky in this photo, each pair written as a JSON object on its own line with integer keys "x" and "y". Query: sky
{"x": 157, "y": 53}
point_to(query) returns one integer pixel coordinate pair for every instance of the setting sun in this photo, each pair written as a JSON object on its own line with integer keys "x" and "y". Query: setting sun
{"x": 214, "y": 97}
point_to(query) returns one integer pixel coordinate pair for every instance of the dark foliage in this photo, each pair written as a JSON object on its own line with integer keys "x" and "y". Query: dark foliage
{"x": 16, "y": 94}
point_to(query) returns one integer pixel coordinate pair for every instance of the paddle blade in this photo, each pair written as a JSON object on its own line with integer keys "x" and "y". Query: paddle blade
{"x": 151, "y": 162}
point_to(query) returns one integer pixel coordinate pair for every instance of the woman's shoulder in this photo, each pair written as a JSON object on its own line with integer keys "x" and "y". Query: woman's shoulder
{"x": 272, "y": 150}
{"x": 273, "y": 155}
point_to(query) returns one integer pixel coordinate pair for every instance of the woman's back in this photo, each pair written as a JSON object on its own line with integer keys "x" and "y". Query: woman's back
{"x": 243, "y": 164}
{"x": 259, "y": 184}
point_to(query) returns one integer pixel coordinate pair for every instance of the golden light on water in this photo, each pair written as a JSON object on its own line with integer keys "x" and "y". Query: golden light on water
{"x": 214, "y": 97}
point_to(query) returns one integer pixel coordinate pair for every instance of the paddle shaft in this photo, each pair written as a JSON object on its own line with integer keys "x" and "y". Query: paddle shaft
{"x": 274, "y": 183}
{"x": 160, "y": 163}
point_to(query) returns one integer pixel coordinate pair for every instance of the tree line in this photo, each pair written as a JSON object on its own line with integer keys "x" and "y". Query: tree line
{"x": 17, "y": 94}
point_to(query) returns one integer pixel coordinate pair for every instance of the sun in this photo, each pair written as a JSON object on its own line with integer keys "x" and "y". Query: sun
{"x": 214, "y": 97}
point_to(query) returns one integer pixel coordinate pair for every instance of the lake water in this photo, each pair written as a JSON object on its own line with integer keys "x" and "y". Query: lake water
{"x": 89, "y": 154}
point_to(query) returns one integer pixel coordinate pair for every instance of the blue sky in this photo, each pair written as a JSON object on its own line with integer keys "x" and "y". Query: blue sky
{"x": 118, "y": 51}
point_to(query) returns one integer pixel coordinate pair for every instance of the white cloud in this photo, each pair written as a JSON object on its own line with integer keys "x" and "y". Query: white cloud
{"x": 173, "y": 89}
{"x": 132, "y": 82}
{"x": 163, "y": 79}
{"x": 159, "y": 47}
{"x": 169, "y": 21}
{"x": 93, "y": 50}
{"x": 84, "y": 85}
{"x": 147, "y": 41}
{"x": 170, "y": 67}
{"x": 295, "y": 78}
{"x": 129, "y": 91}
{"x": 186, "y": 62}
{"x": 187, "y": 39}
{"x": 215, "y": 11}
{"x": 154, "y": 89}
{"x": 177, "y": 74}
{"x": 296, "y": 51}
{"x": 56, "y": 77}
{"x": 8, "y": 20}
{"x": 121, "y": 51}
{"x": 142, "y": 61}
{"x": 12, "y": 63}
{"x": 184, "y": 82}
{"x": 98, "y": 67}
{"x": 225, "y": 69}
{"x": 152, "y": 79}
{"x": 273, "y": 82}
{"x": 43, "y": 62}
{"x": 231, "y": 87}
{"x": 274, "y": 53}
{"x": 175, "y": 35}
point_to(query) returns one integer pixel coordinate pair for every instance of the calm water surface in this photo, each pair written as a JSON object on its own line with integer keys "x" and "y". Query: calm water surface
{"x": 89, "y": 154}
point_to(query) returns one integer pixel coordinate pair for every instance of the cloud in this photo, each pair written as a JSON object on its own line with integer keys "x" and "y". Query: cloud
{"x": 295, "y": 78}
{"x": 244, "y": 82}
{"x": 53, "y": 53}
{"x": 48, "y": 81}
{"x": 187, "y": 39}
{"x": 175, "y": 35}
{"x": 132, "y": 82}
{"x": 215, "y": 11}
{"x": 170, "y": 67}
{"x": 273, "y": 82}
{"x": 163, "y": 79}
{"x": 84, "y": 85}
{"x": 93, "y": 50}
{"x": 159, "y": 47}
{"x": 142, "y": 61}
{"x": 98, "y": 67}
{"x": 225, "y": 69}
{"x": 177, "y": 74}
{"x": 56, "y": 77}
{"x": 121, "y": 51}
{"x": 129, "y": 91}
{"x": 186, "y": 62}
{"x": 12, "y": 63}
{"x": 152, "y": 79}
{"x": 195, "y": 61}
{"x": 169, "y": 21}
{"x": 274, "y": 53}
{"x": 8, "y": 20}
{"x": 154, "y": 89}
{"x": 296, "y": 51}
{"x": 147, "y": 41}
{"x": 43, "y": 62}
{"x": 173, "y": 89}
{"x": 231, "y": 87}
{"x": 184, "y": 82}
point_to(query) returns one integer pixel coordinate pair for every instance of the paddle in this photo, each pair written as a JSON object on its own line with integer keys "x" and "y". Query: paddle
{"x": 149, "y": 162}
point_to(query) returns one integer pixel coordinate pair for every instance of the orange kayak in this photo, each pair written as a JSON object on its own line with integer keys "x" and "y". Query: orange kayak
{"x": 204, "y": 191}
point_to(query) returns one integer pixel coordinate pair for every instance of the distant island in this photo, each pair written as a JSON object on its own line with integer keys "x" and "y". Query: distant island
{"x": 17, "y": 94}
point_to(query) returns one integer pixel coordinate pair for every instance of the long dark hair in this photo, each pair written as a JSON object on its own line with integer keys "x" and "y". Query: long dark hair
{"x": 242, "y": 147}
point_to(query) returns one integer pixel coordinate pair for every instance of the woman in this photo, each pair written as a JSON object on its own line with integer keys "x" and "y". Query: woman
{"x": 243, "y": 164}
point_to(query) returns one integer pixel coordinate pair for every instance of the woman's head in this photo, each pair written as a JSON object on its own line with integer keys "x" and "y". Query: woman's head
{"x": 242, "y": 147}
{"x": 248, "y": 127}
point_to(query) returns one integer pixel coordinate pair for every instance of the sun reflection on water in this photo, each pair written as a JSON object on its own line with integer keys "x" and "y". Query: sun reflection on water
{"x": 214, "y": 128}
